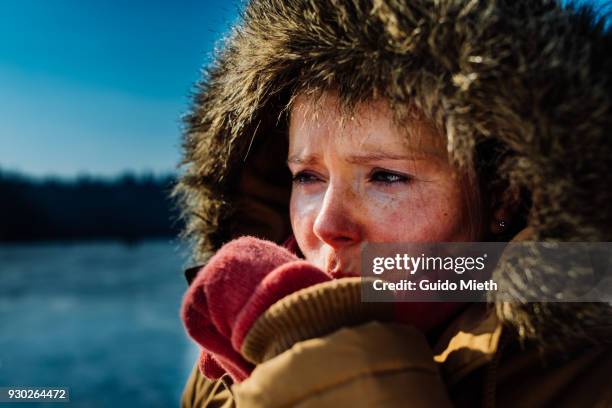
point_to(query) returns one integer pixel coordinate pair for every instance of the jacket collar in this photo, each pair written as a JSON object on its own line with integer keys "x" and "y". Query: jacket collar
{"x": 468, "y": 343}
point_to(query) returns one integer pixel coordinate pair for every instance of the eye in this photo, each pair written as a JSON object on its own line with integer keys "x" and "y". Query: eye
{"x": 303, "y": 177}
{"x": 388, "y": 177}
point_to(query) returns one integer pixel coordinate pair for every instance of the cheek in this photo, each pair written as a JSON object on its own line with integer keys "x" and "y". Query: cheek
{"x": 426, "y": 212}
{"x": 303, "y": 210}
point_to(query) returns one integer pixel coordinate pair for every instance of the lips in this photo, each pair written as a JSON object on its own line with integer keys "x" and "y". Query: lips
{"x": 338, "y": 269}
{"x": 332, "y": 265}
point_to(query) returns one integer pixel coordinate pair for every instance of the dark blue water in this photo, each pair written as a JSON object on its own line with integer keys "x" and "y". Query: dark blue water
{"x": 99, "y": 318}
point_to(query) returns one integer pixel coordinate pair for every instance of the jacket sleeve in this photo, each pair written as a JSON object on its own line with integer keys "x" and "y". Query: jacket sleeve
{"x": 374, "y": 364}
{"x": 200, "y": 392}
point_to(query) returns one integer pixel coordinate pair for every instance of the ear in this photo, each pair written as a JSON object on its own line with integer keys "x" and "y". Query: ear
{"x": 504, "y": 207}
{"x": 501, "y": 219}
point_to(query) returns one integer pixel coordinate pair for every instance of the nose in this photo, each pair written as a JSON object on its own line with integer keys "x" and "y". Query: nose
{"x": 336, "y": 224}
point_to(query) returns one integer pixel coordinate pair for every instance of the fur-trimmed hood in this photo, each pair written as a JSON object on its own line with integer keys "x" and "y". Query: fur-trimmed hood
{"x": 532, "y": 76}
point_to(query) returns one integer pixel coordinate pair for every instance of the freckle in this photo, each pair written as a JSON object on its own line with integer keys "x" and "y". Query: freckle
{"x": 445, "y": 214}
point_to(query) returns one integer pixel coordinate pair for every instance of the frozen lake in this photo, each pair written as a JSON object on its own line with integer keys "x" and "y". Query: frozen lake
{"x": 99, "y": 318}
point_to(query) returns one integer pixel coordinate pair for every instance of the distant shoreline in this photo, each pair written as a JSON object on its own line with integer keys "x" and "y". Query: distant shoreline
{"x": 128, "y": 208}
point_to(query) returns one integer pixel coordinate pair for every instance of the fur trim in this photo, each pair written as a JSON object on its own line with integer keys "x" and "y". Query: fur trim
{"x": 531, "y": 76}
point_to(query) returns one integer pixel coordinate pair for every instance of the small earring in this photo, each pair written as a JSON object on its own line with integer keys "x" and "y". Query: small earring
{"x": 501, "y": 224}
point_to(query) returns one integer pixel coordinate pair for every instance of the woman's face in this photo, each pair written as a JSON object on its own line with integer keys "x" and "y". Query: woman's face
{"x": 362, "y": 179}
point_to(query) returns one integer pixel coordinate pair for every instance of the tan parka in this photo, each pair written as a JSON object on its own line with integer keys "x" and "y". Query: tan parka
{"x": 473, "y": 363}
{"x": 526, "y": 83}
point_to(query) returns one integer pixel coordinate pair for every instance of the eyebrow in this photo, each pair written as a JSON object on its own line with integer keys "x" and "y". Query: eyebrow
{"x": 365, "y": 158}
{"x": 306, "y": 160}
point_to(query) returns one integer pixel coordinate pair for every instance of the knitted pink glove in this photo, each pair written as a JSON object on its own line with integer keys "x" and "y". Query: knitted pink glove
{"x": 243, "y": 279}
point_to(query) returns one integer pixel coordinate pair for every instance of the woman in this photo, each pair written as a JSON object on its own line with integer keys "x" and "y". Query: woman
{"x": 399, "y": 121}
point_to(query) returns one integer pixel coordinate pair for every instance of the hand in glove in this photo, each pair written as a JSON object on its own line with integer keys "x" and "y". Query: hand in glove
{"x": 239, "y": 282}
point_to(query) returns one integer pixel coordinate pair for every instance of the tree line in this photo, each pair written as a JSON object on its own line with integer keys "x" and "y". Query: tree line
{"x": 128, "y": 207}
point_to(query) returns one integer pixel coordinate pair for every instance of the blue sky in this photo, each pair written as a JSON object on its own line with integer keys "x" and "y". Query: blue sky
{"x": 98, "y": 87}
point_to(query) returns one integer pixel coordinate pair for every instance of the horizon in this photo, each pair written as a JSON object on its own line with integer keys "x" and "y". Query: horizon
{"x": 144, "y": 174}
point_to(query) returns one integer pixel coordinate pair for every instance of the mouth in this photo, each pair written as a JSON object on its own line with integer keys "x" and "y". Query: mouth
{"x": 337, "y": 269}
